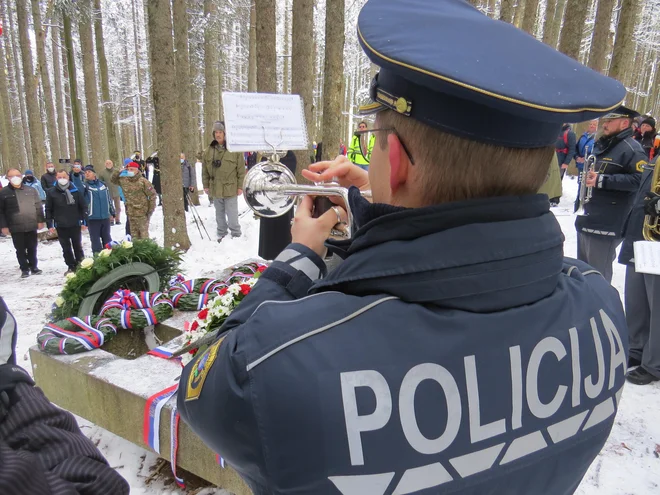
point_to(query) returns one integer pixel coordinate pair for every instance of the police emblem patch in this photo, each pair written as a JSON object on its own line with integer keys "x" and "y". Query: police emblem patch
{"x": 640, "y": 165}
{"x": 200, "y": 371}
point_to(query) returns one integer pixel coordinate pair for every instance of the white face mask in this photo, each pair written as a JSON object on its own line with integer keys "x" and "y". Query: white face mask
{"x": 63, "y": 182}
{"x": 130, "y": 174}
{"x": 50, "y": 169}
{"x": 181, "y": 160}
{"x": 16, "y": 181}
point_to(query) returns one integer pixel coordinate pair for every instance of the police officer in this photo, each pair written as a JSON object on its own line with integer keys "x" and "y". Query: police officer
{"x": 642, "y": 294}
{"x": 619, "y": 163}
{"x": 455, "y": 349}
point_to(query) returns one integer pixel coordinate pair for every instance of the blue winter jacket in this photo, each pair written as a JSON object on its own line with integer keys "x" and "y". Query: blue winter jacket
{"x": 585, "y": 147}
{"x": 99, "y": 200}
{"x": 455, "y": 350}
{"x": 78, "y": 180}
{"x": 36, "y": 185}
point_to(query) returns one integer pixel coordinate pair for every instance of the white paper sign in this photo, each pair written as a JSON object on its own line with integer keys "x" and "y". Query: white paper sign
{"x": 647, "y": 257}
{"x": 262, "y": 121}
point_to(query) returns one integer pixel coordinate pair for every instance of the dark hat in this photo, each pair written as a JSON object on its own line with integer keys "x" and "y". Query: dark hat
{"x": 447, "y": 65}
{"x": 621, "y": 112}
{"x": 218, "y": 126}
{"x": 647, "y": 120}
{"x": 29, "y": 172}
{"x": 77, "y": 160}
{"x": 89, "y": 168}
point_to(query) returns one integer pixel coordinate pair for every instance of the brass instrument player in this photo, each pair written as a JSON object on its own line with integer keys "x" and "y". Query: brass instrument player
{"x": 619, "y": 162}
{"x": 642, "y": 290}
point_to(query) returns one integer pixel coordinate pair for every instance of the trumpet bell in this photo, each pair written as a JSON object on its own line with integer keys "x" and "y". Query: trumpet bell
{"x": 263, "y": 189}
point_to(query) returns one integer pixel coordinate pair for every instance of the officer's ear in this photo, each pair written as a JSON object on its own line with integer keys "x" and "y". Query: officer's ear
{"x": 399, "y": 163}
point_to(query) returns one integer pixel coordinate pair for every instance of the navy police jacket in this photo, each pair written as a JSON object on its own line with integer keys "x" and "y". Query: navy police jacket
{"x": 635, "y": 222}
{"x": 619, "y": 162}
{"x": 455, "y": 350}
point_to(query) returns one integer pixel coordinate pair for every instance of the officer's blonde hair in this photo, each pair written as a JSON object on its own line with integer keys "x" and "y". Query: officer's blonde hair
{"x": 455, "y": 169}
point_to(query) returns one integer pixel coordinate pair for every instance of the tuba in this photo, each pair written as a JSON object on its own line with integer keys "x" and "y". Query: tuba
{"x": 270, "y": 190}
{"x": 651, "y": 227}
{"x": 585, "y": 192}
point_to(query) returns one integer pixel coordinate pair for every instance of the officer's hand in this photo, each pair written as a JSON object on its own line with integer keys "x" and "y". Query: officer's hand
{"x": 652, "y": 204}
{"x": 592, "y": 177}
{"x": 5, "y": 231}
{"x": 339, "y": 169}
{"x": 313, "y": 232}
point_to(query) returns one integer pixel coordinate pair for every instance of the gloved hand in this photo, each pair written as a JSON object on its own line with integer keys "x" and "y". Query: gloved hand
{"x": 8, "y": 335}
{"x": 651, "y": 206}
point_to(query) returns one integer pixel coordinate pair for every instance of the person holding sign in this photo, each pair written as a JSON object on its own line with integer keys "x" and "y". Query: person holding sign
{"x": 223, "y": 173}
{"x": 455, "y": 349}
{"x": 641, "y": 295}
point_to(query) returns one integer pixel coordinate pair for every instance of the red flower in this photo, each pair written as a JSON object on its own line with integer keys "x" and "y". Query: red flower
{"x": 192, "y": 351}
{"x": 194, "y": 326}
{"x": 262, "y": 268}
{"x": 245, "y": 289}
{"x": 223, "y": 291}
{"x": 203, "y": 314}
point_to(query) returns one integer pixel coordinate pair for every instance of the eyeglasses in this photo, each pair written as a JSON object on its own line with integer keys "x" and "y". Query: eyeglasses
{"x": 389, "y": 130}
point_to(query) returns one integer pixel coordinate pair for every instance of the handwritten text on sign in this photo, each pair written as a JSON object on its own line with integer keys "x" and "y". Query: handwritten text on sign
{"x": 261, "y": 122}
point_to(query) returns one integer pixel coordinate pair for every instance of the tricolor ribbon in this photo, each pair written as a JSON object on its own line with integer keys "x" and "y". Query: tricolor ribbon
{"x": 88, "y": 342}
{"x": 152, "y": 410}
{"x": 174, "y": 444}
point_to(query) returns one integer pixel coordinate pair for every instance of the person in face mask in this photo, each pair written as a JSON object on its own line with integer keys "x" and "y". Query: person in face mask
{"x": 30, "y": 180}
{"x": 105, "y": 176}
{"x": 67, "y": 208}
{"x": 77, "y": 176}
{"x": 49, "y": 179}
{"x": 139, "y": 197}
{"x": 21, "y": 215}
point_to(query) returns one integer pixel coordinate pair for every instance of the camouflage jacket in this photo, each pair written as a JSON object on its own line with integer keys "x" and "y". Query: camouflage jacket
{"x": 139, "y": 194}
{"x": 223, "y": 172}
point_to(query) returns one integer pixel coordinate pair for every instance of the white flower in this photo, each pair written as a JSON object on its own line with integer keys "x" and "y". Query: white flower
{"x": 127, "y": 244}
{"x": 87, "y": 263}
{"x": 69, "y": 276}
{"x": 234, "y": 289}
{"x": 252, "y": 281}
{"x": 59, "y": 301}
{"x": 105, "y": 252}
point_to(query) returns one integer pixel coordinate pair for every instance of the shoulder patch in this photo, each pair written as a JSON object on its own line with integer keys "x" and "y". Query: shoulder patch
{"x": 200, "y": 370}
{"x": 640, "y": 165}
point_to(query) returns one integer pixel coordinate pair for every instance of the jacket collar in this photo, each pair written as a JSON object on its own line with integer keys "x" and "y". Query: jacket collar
{"x": 607, "y": 142}
{"x": 481, "y": 255}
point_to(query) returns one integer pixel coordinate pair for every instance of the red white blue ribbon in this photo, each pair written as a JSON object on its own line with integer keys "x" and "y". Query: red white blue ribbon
{"x": 152, "y": 410}
{"x": 89, "y": 342}
{"x": 174, "y": 444}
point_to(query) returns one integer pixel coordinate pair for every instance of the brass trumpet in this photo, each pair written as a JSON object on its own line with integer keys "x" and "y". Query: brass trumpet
{"x": 270, "y": 190}
{"x": 586, "y": 192}
{"x": 651, "y": 228}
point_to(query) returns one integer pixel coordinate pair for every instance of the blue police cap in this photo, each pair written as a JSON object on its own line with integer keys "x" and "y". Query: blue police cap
{"x": 448, "y": 65}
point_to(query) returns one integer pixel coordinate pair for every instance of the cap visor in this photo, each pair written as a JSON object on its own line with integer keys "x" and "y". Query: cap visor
{"x": 370, "y": 108}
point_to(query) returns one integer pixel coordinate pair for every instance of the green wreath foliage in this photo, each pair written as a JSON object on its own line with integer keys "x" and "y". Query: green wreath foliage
{"x": 165, "y": 261}
{"x": 55, "y": 343}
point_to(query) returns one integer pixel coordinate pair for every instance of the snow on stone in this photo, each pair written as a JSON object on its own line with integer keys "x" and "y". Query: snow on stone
{"x": 626, "y": 465}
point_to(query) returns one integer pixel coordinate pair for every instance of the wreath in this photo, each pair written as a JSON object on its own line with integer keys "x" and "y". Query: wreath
{"x": 164, "y": 261}
{"x": 193, "y": 295}
{"x": 74, "y": 335}
{"x": 132, "y": 310}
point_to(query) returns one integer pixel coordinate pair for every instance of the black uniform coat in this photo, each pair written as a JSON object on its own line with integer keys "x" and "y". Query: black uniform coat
{"x": 633, "y": 228}
{"x": 620, "y": 161}
{"x": 275, "y": 233}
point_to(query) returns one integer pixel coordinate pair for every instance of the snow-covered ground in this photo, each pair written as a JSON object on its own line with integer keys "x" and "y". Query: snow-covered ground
{"x": 627, "y": 465}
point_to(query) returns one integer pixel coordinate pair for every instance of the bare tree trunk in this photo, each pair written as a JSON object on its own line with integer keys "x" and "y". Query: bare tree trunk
{"x": 252, "y": 53}
{"x": 506, "y": 10}
{"x": 42, "y": 68}
{"x": 80, "y": 146}
{"x": 287, "y": 48}
{"x": 183, "y": 77}
{"x": 266, "y": 43}
{"x": 302, "y": 68}
{"x": 110, "y": 132}
{"x": 164, "y": 90}
{"x": 57, "y": 72}
{"x": 557, "y": 22}
{"x": 571, "y": 33}
{"x": 518, "y": 13}
{"x": 624, "y": 43}
{"x": 599, "y": 42}
{"x": 37, "y": 142}
{"x": 141, "y": 137}
{"x": 18, "y": 87}
{"x": 333, "y": 68}
{"x": 91, "y": 93}
{"x": 11, "y": 154}
{"x": 221, "y": 40}
{"x": 548, "y": 26}
{"x": 211, "y": 95}
{"x": 529, "y": 19}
